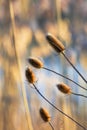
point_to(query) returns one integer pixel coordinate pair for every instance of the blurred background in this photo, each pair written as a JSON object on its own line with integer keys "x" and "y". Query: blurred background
{"x": 23, "y": 26}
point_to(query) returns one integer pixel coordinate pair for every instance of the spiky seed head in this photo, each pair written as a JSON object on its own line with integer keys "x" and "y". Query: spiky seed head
{"x": 35, "y": 62}
{"x": 55, "y": 43}
{"x": 44, "y": 114}
{"x": 64, "y": 88}
{"x": 30, "y": 75}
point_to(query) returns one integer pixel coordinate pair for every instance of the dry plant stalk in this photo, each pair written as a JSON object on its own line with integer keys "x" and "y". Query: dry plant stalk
{"x": 44, "y": 114}
{"x": 31, "y": 80}
{"x": 64, "y": 88}
{"x": 55, "y": 43}
{"x": 27, "y": 113}
{"x": 37, "y": 63}
{"x": 59, "y": 48}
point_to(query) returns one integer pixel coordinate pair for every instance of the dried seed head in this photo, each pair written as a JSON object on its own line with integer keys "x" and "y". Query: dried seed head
{"x": 64, "y": 88}
{"x": 55, "y": 43}
{"x": 35, "y": 62}
{"x": 30, "y": 75}
{"x": 44, "y": 115}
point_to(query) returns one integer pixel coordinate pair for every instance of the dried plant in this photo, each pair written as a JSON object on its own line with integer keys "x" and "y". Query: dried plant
{"x": 37, "y": 63}
{"x": 64, "y": 88}
{"x": 45, "y": 116}
{"x": 14, "y": 43}
{"x": 29, "y": 76}
{"x": 59, "y": 48}
{"x": 55, "y": 43}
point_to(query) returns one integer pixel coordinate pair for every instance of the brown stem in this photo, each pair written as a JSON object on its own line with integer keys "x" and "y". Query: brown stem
{"x": 64, "y": 77}
{"x": 58, "y": 108}
{"x": 79, "y": 95}
{"x": 74, "y": 67}
{"x": 51, "y": 125}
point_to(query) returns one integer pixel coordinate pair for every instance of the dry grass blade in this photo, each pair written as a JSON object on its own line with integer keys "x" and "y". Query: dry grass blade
{"x": 27, "y": 113}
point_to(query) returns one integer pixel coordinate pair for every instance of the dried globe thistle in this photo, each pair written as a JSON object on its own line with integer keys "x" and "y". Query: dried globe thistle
{"x": 35, "y": 62}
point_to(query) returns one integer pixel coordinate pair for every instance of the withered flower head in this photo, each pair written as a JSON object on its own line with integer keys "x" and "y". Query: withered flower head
{"x": 44, "y": 115}
{"x": 55, "y": 43}
{"x": 30, "y": 75}
{"x": 35, "y": 62}
{"x": 64, "y": 88}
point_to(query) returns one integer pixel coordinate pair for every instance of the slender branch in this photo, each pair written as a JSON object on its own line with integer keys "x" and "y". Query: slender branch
{"x": 74, "y": 67}
{"x": 79, "y": 95}
{"x": 58, "y": 109}
{"x": 51, "y": 125}
{"x": 64, "y": 77}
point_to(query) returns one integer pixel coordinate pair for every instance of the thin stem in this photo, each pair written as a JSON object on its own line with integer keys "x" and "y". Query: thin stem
{"x": 74, "y": 67}
{"x": 51, "y": 125}
{"x": 27, "y": 113}
{"x": 79, "y": 95}
{"x": 64, "y": 77}
{"x": 57, "y": 108}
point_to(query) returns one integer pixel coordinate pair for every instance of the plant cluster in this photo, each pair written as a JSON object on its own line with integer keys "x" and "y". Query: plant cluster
{"x": 64, "y": 88}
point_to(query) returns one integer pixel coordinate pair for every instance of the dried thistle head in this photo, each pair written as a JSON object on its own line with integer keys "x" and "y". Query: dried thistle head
{"x": 35, "y": 62}
{"x": 44, "y": 115}
{"x": 30, "y": 75}
{"x": 64, "y": 88}
{"x": 55, "y": 43}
